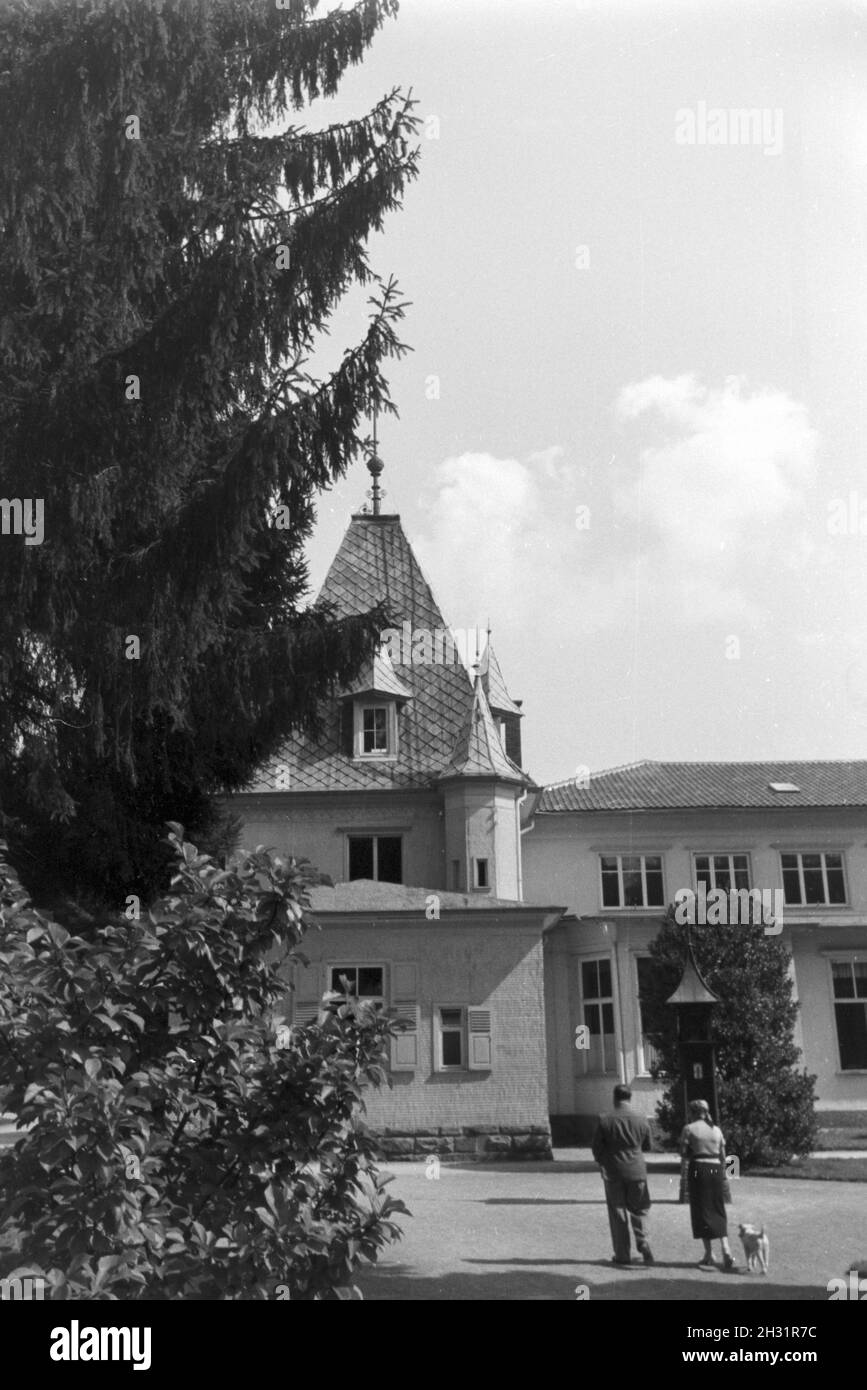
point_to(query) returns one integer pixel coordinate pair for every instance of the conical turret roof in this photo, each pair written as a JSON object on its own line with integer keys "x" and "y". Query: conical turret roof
{"x": 376, "y": 564}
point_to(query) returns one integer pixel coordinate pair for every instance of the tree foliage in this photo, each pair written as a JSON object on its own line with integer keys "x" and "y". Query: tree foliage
{"x": 173, "y": 1115}
{"x": 766, "y": 1099}
{"x": 173, "y": 246}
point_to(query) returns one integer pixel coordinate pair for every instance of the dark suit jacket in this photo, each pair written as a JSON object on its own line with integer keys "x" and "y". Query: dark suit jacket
{"x": 620, "y": 1142}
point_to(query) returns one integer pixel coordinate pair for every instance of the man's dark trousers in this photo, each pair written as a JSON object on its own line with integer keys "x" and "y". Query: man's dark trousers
{"x": 628, "y": 1200}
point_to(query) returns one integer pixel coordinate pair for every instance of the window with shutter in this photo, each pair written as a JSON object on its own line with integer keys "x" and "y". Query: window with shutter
{"x": 404, "y": 1049}
{"x": 308, "y": 991}
{"x": 479, "y": 1037}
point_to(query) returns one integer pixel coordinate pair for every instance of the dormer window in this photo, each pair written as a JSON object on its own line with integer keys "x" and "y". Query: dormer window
{"x": 375, "y": 729}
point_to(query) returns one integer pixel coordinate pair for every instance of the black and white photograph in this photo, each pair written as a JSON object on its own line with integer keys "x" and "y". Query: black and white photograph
{"x": 433, "y": 670}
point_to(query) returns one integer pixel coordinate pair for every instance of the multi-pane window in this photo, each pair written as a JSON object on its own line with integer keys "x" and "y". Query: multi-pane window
{"x": 450, "y": 1038}
{"x": 813, "y": 878}
{"x": 597, "y": 1001}
{"x": 632, "y": 880}
{"x": 378, "y": 857}
{"x": 648, "y": 1051}
{"x": 462, "y": 1037}
{"x": 850, "y": 1012}
{"x": 725, "y": 871}
{"x": 361, "y": 981}
{"x": 374, "y": 729}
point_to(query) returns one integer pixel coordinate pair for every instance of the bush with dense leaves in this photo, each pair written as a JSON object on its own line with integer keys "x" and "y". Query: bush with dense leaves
{"x": 182, "y": 1140}
{"x": 766, "y": 1102}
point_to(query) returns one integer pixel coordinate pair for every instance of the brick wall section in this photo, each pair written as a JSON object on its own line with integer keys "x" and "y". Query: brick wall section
{"x": 473, "y": 1143}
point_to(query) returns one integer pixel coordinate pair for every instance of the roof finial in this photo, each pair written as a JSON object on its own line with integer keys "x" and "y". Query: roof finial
{"x": 374, "y": 468}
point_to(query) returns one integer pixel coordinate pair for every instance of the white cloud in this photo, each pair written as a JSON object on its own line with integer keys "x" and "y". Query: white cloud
{"x": 695, "y": 524}
{"x": 731, "y": 473}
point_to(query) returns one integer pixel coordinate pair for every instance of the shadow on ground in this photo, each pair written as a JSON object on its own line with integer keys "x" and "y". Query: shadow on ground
{"x": 561, "y": 1201}
{"x": 522, "y": 1280}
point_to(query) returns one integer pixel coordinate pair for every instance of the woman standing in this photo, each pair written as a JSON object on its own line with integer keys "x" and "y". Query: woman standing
{"x": 703, "y": 1179}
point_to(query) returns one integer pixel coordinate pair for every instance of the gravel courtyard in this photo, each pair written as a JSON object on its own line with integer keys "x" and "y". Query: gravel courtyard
{"x": 536, "y": 1231}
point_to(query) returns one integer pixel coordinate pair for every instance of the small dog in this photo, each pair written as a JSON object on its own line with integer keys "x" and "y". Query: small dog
{"x": 757, "y": 1247}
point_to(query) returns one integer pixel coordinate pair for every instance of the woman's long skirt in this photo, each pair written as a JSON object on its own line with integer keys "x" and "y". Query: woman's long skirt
{"x": 706, "y": 1200}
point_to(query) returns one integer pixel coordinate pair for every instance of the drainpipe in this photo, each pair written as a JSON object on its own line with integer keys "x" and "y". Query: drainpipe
{"x": 522, "y": 830}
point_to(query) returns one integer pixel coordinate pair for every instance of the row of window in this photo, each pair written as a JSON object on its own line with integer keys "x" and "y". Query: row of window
{"x": 848, "y": 988}
{"x": 809, "y": 878}
{"x": 461, "y": 1033}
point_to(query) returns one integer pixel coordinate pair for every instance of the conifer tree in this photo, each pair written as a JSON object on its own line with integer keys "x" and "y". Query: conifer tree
{"x": 766, "y": 1097}
{"x": 173, "y": 245}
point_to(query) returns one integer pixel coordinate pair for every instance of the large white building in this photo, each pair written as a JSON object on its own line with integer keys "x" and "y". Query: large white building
{"x": 498, "y": 916}
{"x": 621, "y": 847}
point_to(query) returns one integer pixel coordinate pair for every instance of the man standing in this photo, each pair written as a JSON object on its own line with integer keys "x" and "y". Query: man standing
{"x": 619, "y": 1144}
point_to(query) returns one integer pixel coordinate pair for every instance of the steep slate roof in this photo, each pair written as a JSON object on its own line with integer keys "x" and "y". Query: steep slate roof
{"x": 478, "y": 751}
{"x": 375, "y": 562}
{"x": 494, "y": 685}
{"x": 670, "y": 786}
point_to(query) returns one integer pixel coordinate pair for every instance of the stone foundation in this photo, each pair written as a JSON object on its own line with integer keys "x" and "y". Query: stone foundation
{"x": 471, "y": 1144}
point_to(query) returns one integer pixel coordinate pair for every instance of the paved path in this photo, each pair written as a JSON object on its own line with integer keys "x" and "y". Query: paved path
{"x": 536, "y": 1231}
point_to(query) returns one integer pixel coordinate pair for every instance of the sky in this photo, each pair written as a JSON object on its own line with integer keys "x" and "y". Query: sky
{"x": 631, "y": 431}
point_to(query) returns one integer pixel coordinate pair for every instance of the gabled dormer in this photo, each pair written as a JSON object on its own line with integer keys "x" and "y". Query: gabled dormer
{"x": 371, "y": 710}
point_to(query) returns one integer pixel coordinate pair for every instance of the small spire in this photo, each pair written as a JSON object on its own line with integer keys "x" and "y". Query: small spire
{"x": 374, "y": 468}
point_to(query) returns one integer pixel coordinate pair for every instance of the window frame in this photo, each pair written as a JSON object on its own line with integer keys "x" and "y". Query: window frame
{"x": 850, "y": 958}
{"x": 345, "y": 966}
{"x": 643, "y": 856}
{"x": 389, "y": 754}
{"x": 599, "y": 1001}
{"x": 375, "y": 836}
{"x": 439, "y": 1065}
{"x": 826, "y": 904}
{"x": 730, "y": 855}
{"x": 642, "y": 1057}
{"x": 479, "y": 887}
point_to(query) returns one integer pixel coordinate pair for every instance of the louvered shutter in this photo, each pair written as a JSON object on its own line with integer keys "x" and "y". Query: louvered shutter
{"x": 479, "y": 1038}
{"x": 404, "y": 994}
{"x": 307, "y": 995}
{"x": 404, "y": 1048}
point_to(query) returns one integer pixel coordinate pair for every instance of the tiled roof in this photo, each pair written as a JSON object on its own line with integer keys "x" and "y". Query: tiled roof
{"x": 366, "y": 895}
{"x": 375, "y": 563}
{"x": 478, "y": 751}
{"x": 499, "y": 698}
{"x": 659, "y": 786}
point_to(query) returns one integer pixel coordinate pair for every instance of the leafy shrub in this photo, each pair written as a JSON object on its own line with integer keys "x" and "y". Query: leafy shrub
{"x": 183, "y": 1141}
{"x": 766, "y": 1103}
